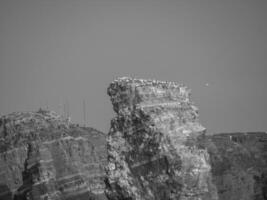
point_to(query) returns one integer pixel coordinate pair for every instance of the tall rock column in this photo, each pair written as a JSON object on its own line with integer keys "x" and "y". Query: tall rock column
{"x": 152, "y": 144}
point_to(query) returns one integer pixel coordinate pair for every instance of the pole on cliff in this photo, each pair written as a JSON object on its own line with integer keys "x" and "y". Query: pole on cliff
{"x": 64, "y": 110}
{"x": 68, "y": 109}
{"x": 84, "y": 113}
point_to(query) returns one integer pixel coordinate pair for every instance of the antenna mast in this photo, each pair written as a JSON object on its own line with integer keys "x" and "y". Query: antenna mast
{"x": 84, "y": 113}
{"x": 64, "y": 110}
{"x": 68, "y": 109}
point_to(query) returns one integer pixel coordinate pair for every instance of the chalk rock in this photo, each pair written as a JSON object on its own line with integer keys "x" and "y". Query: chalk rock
{"x": 45, "y": 157}
{"x": 152, "y": 144}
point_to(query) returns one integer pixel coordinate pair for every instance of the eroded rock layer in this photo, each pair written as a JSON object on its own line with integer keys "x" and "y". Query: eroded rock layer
{"x": 152, "y": 153}
{"x": 158, "y": 150}
{"x": 44, "y": 157}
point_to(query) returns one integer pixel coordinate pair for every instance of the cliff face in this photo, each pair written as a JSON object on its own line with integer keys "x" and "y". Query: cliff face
{"x": 158, "y": 150}
{"x": 238, "y": 164}
{"x": 43, "y": 156}
{"x": 151, "y": 144}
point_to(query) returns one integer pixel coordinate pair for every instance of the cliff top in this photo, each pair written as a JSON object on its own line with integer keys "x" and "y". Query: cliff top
{"x": 20, "y": 128}
{"x": 126, "y": 93}
{"x": 146, "y": 82}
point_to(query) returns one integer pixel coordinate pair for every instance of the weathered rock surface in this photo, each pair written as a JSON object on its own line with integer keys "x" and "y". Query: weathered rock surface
{"x": 158, "y": 150}
{"x": 239, "y": 164}
{"x": 44, "y": 157}
{"x": 151, "y": 148}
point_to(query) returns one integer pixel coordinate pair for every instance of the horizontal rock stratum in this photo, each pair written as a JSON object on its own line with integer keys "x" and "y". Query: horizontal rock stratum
{"x": 45, "y": 157}
{"x": 158, "y": 150}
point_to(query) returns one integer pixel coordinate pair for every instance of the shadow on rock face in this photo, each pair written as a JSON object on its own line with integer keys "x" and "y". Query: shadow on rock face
{"x": 5, "y": 193}
{"x": 238, "y": 164}
{"x": 261, "y": 184}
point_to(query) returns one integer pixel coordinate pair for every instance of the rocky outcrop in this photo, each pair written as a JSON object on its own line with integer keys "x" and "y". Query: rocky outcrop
{"x": 158, "y": 150}
{"x": 238, "y": 164}
{"x": 151, "y": 144}
{"x": 45, "y": 157}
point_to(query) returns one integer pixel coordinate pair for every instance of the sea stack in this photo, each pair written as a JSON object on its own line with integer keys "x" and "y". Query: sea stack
{"x": 152, "y": 143}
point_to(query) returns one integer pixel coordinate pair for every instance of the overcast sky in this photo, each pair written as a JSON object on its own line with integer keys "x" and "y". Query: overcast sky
{"x": 55, "y": 52}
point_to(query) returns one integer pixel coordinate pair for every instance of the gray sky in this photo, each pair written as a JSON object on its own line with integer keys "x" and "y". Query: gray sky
{"x": 58, "y": 51}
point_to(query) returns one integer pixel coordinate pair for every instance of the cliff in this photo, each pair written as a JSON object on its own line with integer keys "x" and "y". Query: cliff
{"x": 43, "y": 156}
{"x": 151, "y": 148}
{"x": 158, "y": 150}
{"x": 238, "y": 164}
